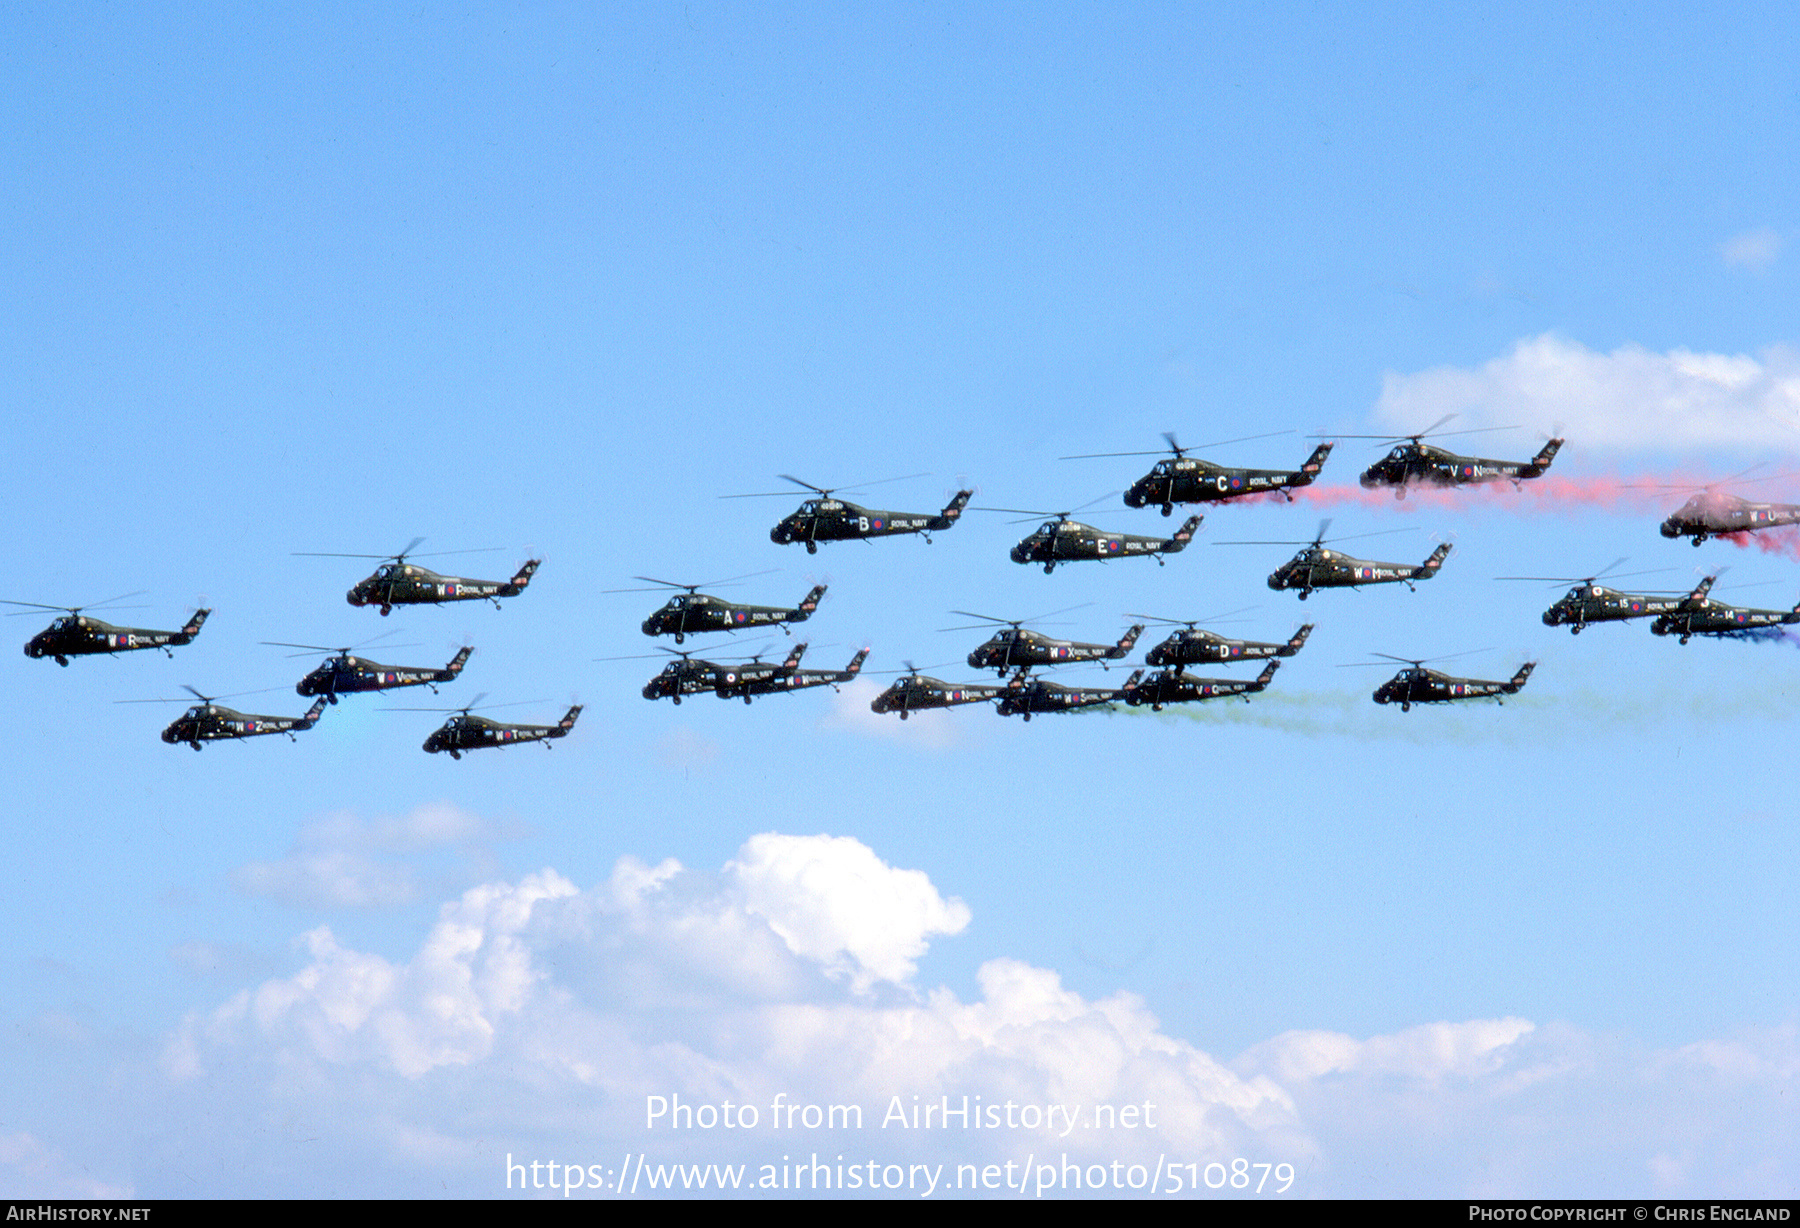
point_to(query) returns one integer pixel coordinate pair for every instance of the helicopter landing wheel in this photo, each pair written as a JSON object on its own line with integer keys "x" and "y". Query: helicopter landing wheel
{"x": 1049, "y": 567}
{"x": 195, "y": 745}
{"x": 746, "y": 699}
{"x": 332, "y": 697}
{"x": 680, "y": 637}
{"x": 1405, "y": 707}
{"x": 63, "y": 661}
{"x": 1304, "y": 595}
{"x": 904, "y": 714}
{"x": 1697, "y": 542}
{"x": 386, "y": 610}
{"x": 1575, "y": 630}
{"x": 1168, "y": 508}
{"x": 677, "y": 701}
{"x": 812, "y": 547}
{"x": 1399, "y": 492}
{"x": 456, "y": 754}
{"x": 1684, "y": 639}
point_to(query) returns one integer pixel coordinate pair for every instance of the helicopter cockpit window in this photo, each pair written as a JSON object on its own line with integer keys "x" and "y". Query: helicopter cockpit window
{"x": 64, "y": 623}
{"x": 194, "y": 714}
{"x": 677, "y": 602}
{"x": 809, "y": 507}
{"x": 1397, "y": 454}
{"x": 385, "y": 571}
{"x": 1161, "y": 469}
{"x": 1049, "y": 527}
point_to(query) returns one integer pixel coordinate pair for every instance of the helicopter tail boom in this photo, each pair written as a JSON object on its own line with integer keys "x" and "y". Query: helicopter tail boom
{"x": 186, "y": 634}
{"x": 951, "y": 513}
{"x": 1183, "y": 535}
{"x": 1314, "y": 463}
{"x": 809, "y": 603}
{"x": 1697, "y": 598}
{"x": 568, "y": 721}
{"x": 1296, "y": 642}
{"x": 1542, "y": 460}
{"x": 1429, "y": 567}
{"x": 517, "y": 584}
{"x": 312, "y": 714}
{"x": 1122, "y": 649}
{"x": 457, "y": 662}
{"x": 1267, "y": 676}
{"x": 1517, "y": 682}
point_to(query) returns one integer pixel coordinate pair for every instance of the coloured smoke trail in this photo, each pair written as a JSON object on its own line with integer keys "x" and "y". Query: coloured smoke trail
{"x": 1550, "y": 493}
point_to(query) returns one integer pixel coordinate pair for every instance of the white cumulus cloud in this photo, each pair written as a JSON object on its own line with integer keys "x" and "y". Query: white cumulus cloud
{"x": 1629, "y": 399}
{"x": 1755, "y": 249}
{"x": 542, "y": 1020}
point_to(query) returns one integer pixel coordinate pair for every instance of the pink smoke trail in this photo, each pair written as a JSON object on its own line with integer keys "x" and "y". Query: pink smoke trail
{"x": 1783, "y": 540}
{"x": 1551, "y": 493}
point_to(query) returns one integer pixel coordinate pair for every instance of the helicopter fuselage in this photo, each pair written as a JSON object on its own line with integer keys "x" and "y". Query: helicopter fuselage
{"x": 464, "y": 732}
{"x": 1188, "y": 479}
{"x": 79, "y": 635}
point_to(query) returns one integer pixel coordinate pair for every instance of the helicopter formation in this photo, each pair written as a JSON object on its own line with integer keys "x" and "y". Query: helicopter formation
{"x": 395, "y": 582}
{"x": 1014, "y": 649}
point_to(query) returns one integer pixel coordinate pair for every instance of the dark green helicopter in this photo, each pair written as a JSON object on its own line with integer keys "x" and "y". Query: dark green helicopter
{"x": 1317, "y": 567}
{"x": 787, "y": 679}
{"x": 826, "y": 519}
{"x": 1421, "y": 464}
{"x": 209, "y": 721}
{"x": 1176, "y": 686}
{"x": 1194, "y": 646}
{"x": 1417, "y": 685}
{"x": 1701, "y": 615}
{"x": 1061, "y": 540}
{"x": 398, "y": 582}
{"x": 1589, "y": 602}
{"x": 1026, "y": 695}
{"x": 466, "y": 732}
{"x": 1186, "y": 479}
{"x": 1013, "y": 646}
{"x": 79, "y": 635}
{"x": 344, "y": 674}
{"x": 691, "y": 612}
{"x": 1711, "y": 514}
{"x": 916, "y": 692}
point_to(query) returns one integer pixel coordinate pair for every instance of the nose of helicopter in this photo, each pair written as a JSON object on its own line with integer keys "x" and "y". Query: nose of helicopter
{"x": 1669, "y": 528}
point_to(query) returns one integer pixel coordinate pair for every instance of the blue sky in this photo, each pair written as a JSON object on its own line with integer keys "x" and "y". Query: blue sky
{"x": 554, "y": 280}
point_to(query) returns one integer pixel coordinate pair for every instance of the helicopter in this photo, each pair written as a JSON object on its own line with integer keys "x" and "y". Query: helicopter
{"x": 1193, "y": 646}
{"x": 465, "y": 732}
{"x": 1317, "y": 567}
{"x": 691, "y": 612}
{"x": 208, "y": 721}
{"x": 398, "y": 582}
{"x": 1711, "y": 514}
{"x": 1590, "y": 602}
{"x": 787, "y": 678}
{"x": 344, "y": 674}
{"x": 78, "y": 635}
{"x": 834, "y": 520}
{"x": 1417, "y": 685}
{"x": 1012, "y": 646}
{"x": 1176, "y": 686}
{"x": 1061, "y": 540}
{"x": 1026, "y": 695}
{"x": 1700, "y": 615}
{"x": 1414, "y": 461}
{"x": 916, "y": 692}
{"x": 1188, "y": 479}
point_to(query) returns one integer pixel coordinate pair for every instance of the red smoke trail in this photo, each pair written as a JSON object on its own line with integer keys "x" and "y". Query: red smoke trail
{"x": 1551, "y": 493}
{"x": 1783, "y": 540}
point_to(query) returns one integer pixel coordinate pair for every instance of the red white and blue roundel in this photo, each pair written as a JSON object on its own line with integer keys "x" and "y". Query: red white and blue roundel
{"x": 1743, "y": 617}
{"x": 1237, "y": 482}
{"x": 1365, "y": 573}
{"x": 1635, "y": 606}
{"x": 450, "y": 590}
{"x": 1111, "y": 545}
{"x": 876, "y": 524}
{"x": 738, "y": 616}
{"x": 1468, "y": 471}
